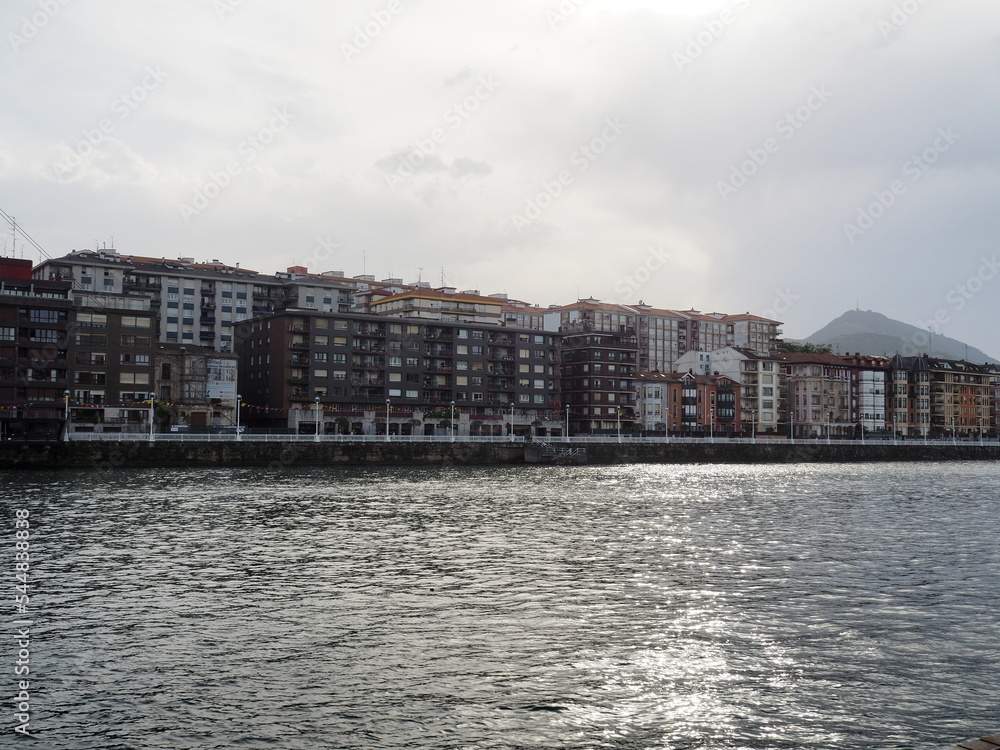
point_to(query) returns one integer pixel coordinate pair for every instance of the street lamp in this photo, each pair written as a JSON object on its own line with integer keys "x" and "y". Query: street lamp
{"x": 953, "y": 436}
{"x": 453, "y": 421}
{"x": 618, "y": 414}
{"x": 152, "y": 400}
{"x": 66, "y": 411}
{"x": 512, "y": 421}
{"x": 711, "y": 424}
{"x": 316, "y": 413}
{"x": 567, "y": 423}
{"x": 387, "y": 402}
{"x": 239, "y": 398}
{"x": 753, "y": 425}
{"x": 829, "y": 428}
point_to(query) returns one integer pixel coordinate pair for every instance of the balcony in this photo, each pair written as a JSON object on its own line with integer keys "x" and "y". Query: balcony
{"x": 369, "y": 382}
{"x": 298, "y": 381}
{"x": 298, "y": 361}
{"x": 299, "y": 345}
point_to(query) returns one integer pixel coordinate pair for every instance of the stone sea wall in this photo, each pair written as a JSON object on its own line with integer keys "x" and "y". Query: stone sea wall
{"x": 110, "y": 455}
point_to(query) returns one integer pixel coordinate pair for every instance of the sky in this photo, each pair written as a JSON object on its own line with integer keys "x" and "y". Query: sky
{"x": 789, "y": 159}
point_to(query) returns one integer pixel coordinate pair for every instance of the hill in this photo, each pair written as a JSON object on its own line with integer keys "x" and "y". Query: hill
{"x": 873, "y": 333}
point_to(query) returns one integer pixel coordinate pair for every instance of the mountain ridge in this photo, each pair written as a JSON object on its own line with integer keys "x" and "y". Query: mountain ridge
{"x": 871, "y": 332}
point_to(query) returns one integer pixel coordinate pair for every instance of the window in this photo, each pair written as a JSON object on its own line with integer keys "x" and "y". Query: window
{"x": 44, "y": 335}
{"x": 134, "y": 378}
{"x": 134, "y": 321}
{"x": 477, "y": 396}
{"x": 92, "y": 320}
{"x": 395, "y": 392}
{"x": 395, "y": 377}
{"x": 134, "y": 359}
{"x": 321, "y": 340}
{"x": 7, "y": 334}
{"x": 320, "y": 373}
{"x": 411, "y": 394}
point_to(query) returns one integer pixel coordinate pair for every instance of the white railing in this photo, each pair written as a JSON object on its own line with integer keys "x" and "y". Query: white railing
{"x": 553, "y": 441}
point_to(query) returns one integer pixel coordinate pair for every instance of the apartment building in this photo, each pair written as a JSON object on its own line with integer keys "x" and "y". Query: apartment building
{"x": 599, "y": 355}
{"x": 686, "y": 403}
{"x": 352, "y": 365}
{"x": 933, "y": 397}
{"x": 197, "y": 304}
{"x": 445, "y": 304}
{"x": 820, "y": 402}
{"x": 869, "y": 390}
{"x": 112, "y": 344}
{"x": 761, "y": 379}
{"x": 665, "y": 335}
{"x": 35, "y": 323}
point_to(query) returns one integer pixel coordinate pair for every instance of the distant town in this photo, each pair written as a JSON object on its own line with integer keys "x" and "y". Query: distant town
{"x": 98, "y": 341}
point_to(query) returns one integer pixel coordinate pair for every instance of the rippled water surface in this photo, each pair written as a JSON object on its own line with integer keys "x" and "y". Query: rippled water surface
{"x": 805, "y": 606}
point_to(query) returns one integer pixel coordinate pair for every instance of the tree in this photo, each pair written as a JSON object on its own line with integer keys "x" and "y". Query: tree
{"x": 789, "y": 347}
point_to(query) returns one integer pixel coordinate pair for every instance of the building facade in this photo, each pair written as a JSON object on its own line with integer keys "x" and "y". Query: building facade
{"x": 347, "y": 365}
{"x": 35, "y": 325}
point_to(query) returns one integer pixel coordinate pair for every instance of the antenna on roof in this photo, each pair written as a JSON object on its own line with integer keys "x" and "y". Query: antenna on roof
{"x": 420, "y": 274}
{"x": 442, "y": 275}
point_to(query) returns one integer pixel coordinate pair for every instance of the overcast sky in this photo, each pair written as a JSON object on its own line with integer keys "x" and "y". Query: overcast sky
{"x": 787, "y": 158}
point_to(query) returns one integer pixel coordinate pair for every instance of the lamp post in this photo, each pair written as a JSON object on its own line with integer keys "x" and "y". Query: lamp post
{"x": 829, "y": 428}
{"x": 618, "y": 415}
{"x": 512, "y": 421}
{"x": 387, "y": 403}
{"x": 66, "y": 411}
{"x": 239, "y": 398}
{"x": 152, "y": 400}
{"x": 753, "y": 426}
{"x": 567, "y": 423}
{"x": 954, "y": 439}
{"x": 453, "y": 421}
{"x": 711, "y": 424}
{"x": 316, "y": 413}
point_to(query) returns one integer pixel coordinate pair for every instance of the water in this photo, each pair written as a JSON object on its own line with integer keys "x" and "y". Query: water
{"x": 804, "y": 606}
